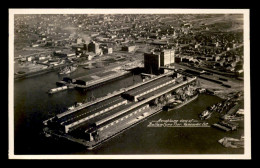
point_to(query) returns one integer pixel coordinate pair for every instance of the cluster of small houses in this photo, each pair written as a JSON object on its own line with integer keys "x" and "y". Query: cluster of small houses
{"x": 229, "y": 63}
{"x": 133, "y": 29}
{"x": 123, "y": 29}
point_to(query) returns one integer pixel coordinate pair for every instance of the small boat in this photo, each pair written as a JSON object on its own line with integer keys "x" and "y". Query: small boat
{"x": 232, "y": 142}
{"x": 47, "y": 135}
{"x": 88, "y": 67}
{"x": 68, "y": 70}
{"x": 205, "y": 115}
{"x": 71, "y": 108}
{"x": 77, "y": 104}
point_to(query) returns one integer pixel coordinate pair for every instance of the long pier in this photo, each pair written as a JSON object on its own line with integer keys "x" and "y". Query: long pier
{"x": 94, "y": 82}
{"x": 102, "y": 80}
{"x": 43, "y": 71}
{"x": 110, "y": 95}
{"x": 122, "y": 115}
{"x": 150, "y": 98}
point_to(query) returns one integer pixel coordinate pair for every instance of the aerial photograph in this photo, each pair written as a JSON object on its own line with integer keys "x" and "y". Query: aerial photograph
{"x": 128, "y": 84}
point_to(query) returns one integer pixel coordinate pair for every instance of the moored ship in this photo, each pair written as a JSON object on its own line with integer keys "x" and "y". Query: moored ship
{"x": 178, "y": 103}
{"x": 58, "y": 89}
{"x": 68, "y": 70}
{"x": 75, "y": 105}
{"x": 205, "y": 115}
{"x": 232, "y": 142}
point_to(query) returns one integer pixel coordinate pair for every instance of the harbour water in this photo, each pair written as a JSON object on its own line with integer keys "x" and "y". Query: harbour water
{"x": 32, "y": 105}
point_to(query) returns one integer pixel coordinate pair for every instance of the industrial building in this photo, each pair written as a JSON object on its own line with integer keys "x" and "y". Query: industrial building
{"x": 104, "y": 125}
{"x": 63, "y": 54}
{"x": 156, "y": 59}
{"x": 151, "y": 63}
{"x": 91, "y": 113}
{"x": 107, "y": 50}
{"x": 136, "y": 93}
{"x": 80, "y": 48}
{"x": 101, "y": 119}
{"x": 167, "y": 57}
{"x": 94, "y": 47}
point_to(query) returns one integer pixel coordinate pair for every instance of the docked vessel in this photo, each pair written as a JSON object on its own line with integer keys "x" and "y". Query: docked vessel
{"x": 88, "y": 67}
{"x": 205, "y": 115}
{"x": 178, "y": 103}
{"x": 212, "y": 108}
{"x": 232, "y": 142}
{"x": 75, "y": 105}
{"x": 68, "y": 70}
{"x": 83, "y": 63}
{"x": 71, "y": 107}
{"x": 95, "y": 122}
{"x": 58, "y": 89}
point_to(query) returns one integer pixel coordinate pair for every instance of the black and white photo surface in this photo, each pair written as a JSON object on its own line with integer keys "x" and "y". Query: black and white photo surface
{"x": 129, "y": 84}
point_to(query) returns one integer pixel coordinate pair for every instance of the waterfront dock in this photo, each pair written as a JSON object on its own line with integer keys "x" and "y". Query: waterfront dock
{"x": 101, "y": 80}
{"x": 221, "y": 127}
{"x": 95, "y": 119}
{"x": 84, "y": 105}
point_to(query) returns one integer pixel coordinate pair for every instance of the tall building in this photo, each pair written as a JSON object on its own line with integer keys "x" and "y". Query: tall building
{"x": 128, "y": 48}
{"x": 152, "y": 63}
{"x": 167, "y": 57}
{"x": 107, "y": 50}
{"x": 94, "y": 47}
{"x": 155, "y": 60}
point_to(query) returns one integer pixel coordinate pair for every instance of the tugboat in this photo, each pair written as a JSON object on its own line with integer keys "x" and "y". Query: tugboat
{"x": 68, "y": 70}
{"x": 205, "y": 115}
{"x": 212, "y": 108}
{"x": 76, "y": 105}
{"x": 88, "y": 67}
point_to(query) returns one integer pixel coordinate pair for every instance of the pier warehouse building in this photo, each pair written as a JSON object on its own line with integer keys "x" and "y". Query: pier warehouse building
{"x": 97, "y": 120}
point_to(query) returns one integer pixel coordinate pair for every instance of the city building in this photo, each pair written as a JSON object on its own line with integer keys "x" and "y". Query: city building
{"x": 167, "y": 57}
{"x": 62, "y": 54}
{"x": 80, "y": 48}
{"x": 128, "y": 48}
{"x": 79, "y": 41}
{"x": 156, "y": 59}
{"x": 178, "y": 59}
{"x": 152, "y": 63}
{"x": 107, "y": 50}
{"x": 41, "y": 57}
{"x": 29, "y": 58}
{"x": 94, "y": 47}
{"x": 89, "y": 55}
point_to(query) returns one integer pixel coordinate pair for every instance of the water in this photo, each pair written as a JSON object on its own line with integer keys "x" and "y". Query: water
{"x": 32, "y": 105}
